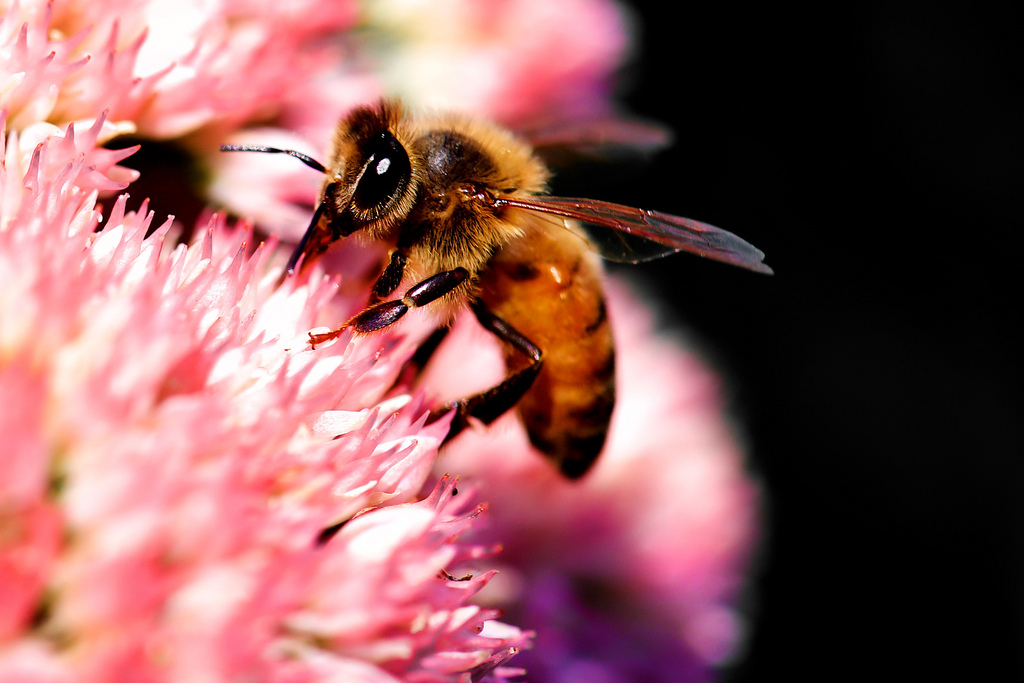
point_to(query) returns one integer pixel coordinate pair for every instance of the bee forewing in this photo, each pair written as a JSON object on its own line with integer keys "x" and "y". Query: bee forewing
{"x": 630, "y": 235}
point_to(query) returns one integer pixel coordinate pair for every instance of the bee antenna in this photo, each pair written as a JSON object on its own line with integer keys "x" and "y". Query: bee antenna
{"x": 308, "y": 160}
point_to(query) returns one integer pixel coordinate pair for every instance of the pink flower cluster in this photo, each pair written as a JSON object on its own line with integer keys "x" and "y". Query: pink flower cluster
{"x": 189, "y": 492}
{"x": 173, "y": 450}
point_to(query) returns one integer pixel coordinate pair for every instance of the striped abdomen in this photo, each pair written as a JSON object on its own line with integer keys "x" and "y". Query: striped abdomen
{"x": 548, "y": 285}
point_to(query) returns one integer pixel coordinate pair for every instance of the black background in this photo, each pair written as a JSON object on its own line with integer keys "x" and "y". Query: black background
{"x": 873, "y": 153}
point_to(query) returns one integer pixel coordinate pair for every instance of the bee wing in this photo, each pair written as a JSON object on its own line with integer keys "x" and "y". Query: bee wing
{"x": 598, "y": 139}
{"x": 630, "y": 235}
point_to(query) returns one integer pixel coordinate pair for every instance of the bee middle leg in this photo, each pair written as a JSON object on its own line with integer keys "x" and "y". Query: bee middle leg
{"x": 491, "y": 404}
{"x": 379, "y": 315}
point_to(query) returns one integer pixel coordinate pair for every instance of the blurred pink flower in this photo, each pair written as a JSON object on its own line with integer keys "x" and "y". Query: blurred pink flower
{"x": 637, "y": 571}
{"x": 511, "y": 60}
{"x": 173, "y": 449}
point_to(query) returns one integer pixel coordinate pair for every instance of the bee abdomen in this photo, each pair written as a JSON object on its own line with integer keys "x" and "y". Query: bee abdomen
{"x": 549, "y": 288}
{"x": 569, "y": 408}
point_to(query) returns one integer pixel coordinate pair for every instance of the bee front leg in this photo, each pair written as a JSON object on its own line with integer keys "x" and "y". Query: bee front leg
{"x": 489, "y": 405}
{"x": 384, "y": 313}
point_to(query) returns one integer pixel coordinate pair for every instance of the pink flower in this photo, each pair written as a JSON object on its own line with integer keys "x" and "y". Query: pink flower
{"x": 173, "y": 449}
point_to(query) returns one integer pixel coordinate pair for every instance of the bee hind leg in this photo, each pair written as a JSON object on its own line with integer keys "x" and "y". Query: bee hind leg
{"x": 491, "y": 404}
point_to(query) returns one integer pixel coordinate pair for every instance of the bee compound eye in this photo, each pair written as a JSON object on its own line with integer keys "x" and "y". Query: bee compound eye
{"x": 385, "y": 175}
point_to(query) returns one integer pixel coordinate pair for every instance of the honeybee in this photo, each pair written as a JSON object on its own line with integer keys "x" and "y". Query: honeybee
{"x": 462, "y": 205}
